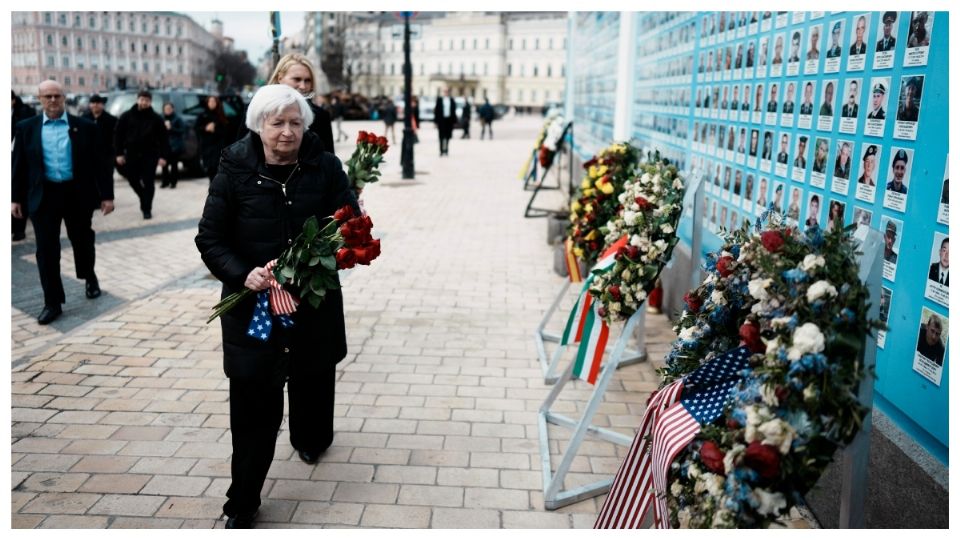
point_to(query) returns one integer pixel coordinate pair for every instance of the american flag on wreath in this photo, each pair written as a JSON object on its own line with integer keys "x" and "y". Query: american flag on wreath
{"x": 673, "y": 418}
{"x": 275, "y": 301}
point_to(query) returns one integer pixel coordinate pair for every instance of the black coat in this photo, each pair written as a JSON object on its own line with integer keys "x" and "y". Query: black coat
{"x": 107, "y": 126}
{"x": 141, "y": 136}
{"x": 445, "y": 123}
{"x": 248, "y": 221}
{"x": 87, "y": 156}
{"x": 212, "y": 144}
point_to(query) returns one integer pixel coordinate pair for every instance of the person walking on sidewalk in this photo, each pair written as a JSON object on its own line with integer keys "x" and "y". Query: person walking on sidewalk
{"x": 465, "y": 118}
{"x": 336, "y": 111}
{"x": 140, "y": 143}
{"x": 107, "y": 124}
{"x": 20, "y": 111}
{"x": 59, "y": 177}
{"x": 389, "y": 114}
{"x": 175, "y": 133}
{"x": 213, "y": 134}
{"x": 445, "y": 116}
{"x": 268, "y": 184}
{"x": 487, "y": 115}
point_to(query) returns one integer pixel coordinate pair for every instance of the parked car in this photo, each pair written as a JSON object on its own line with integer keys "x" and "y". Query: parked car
{"x": 188, "y": 104}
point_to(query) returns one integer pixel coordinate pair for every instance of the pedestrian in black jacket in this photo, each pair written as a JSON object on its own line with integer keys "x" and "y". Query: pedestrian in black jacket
{"x": 487, "y": 115}
{"x": 267, "y": 185}
{"x": 445, "y": 116}
{"x": 20, "y": 111}
{"x": 58, "y": 177}
{"x": 465, "y": 118}
{"x": 107, "y": 124}
{"x": 213, "y": 134}
{"x": 140, "y": 143}
{"x": 176, "y": 130}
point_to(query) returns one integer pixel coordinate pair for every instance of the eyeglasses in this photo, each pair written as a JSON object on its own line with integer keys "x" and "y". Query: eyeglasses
{"x": 52, "y": 96}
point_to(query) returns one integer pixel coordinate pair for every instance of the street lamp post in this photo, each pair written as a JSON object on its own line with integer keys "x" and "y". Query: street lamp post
{"x": 406, "y": 151}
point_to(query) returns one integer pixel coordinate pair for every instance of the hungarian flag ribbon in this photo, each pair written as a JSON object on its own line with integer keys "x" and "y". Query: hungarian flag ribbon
{"x": 588, "y": 323}
{"x": 275, "y": 301}
{"x": 573, "y": 269}
{"x": 673, "y": 418}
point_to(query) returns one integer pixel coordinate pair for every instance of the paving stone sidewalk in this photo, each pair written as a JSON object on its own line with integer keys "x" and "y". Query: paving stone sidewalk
{"x": 122, "y": 421}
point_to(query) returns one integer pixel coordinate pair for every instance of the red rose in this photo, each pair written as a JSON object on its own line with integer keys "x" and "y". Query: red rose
{"x": 762, "y": 458}
{"x": 594, "y": 245}
{"x": 368, "y": 252}
{"x": 614, "y": 291}
{"x": 772, "y": 240}
{"x": 345, "y": 259}
{"x": 633, "y": 252}
{"x": 725, "y": 266}
{"x": 381, "y": 141}
{"x": 712, "y": 456}
{"x": 361, "y": 137}
{"x": 732, "y": 423}
{"x": 643, "y": 203}
{"x": 622, "y": 252}
{"x": 350, "y": 236}
{"x": 750, "y": 336}
{"x": 343, "y": 214}
{"x": 782, "y": 393}
{"x": 693, "y": 302}
{"x": 602, "y": 311}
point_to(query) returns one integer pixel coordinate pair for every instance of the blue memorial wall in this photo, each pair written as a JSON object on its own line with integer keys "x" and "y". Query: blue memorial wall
{"x": 835, "y": 118}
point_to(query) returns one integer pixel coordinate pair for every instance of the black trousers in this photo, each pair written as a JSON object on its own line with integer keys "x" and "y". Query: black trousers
{"x": 444, "y": 145}
{"x": 59, "y": 204}
{"x": 18, "y": 226}
{"x": 170, "y": 173}
{"x": 466, "y": 130}
{"x": 142, "y": 174}
{"x": 486, "y": 126}
{"x": 256, "y": 412}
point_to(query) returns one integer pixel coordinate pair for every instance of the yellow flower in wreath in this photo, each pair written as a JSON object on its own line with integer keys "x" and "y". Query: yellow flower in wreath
{"x": 588, "y": 208}
{"x": 578, "y": 252}
{"x": 575, "y": 206}
{"x": 585, "y": 184}
{"x": 588, "y": 192}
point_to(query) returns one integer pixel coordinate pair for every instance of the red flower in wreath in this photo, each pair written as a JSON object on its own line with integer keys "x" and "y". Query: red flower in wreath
{"x": 644, "y": 204}
{"x": 725, "y": 266}
{"x": 771, "y": 240}
{"x": 693, "y": 302}
{"x": 762, "y": 458}
{"x": 712, "y": 457}
{"x": 750, "y": 336}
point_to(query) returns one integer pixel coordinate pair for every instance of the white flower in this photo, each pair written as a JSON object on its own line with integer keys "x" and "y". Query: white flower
{"x": 666, "y": 228}
{"x": 730, "y": 459}
{"x": 723, "y": 518}
{"x": 661, "y": 244}
{"x": 629, "y": 218}
{"x": 773, "y": 346}
{"x": 714, "y": 483}
{"x": 769, "y": 395}
{"x": 693, "y": 471}
{"x": 755, "y": 417}
{"x": 614, "y": 306}
{"x": 646, "y": 178}
{"x": 770, "y": 503}
{"x": 677, "y": 183}
{"x": 806, "y": 339}
{"x": 711, "y": 278}
{"x": 809, "y": 393}
{"x": 683, "y": 516}
{"x": 811, "y": 262}
{"x": 819, "y": 289}
{"x": 625, "y": 275}
{"x": 777, "y": 433}
{"x": 688, "y": 333}
{"x": 780, "y": 321}
{"x": 717, "y": 298}
{"x": 758, "y": 288}
{"x": 676, "y": 489}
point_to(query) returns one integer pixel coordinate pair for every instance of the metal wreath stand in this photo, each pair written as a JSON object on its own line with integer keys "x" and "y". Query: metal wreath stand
{"x": 553, "y": 497}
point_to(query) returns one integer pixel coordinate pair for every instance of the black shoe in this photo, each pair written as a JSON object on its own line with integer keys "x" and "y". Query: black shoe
{"x": 308, "y": 457}
{"x": 49, "y": 314}
{"x": 240, "y": 521}
{"x": 93, "y": 287}
{"x": 164, "y": 185}
{"x": 147, "y": 214}
{"x": 19, "y": 236}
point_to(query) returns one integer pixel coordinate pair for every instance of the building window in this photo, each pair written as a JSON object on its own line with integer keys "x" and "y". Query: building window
{"x": 451, "y": 44}
{"x": 47, "y": 18}
{"x": 485, "y": 68}
{"x": 66, "y": 81}
{"x": 79, "y": 44}
{"x": 449, "y": 68}
{"x": 179, "y": 50}
{"x": 145, "y": 47}
{"x": 439, "y": 44}
{"x": 50, "y": 61}
{"x": 549, "y": 70}
{"x": 156, "y": 28}
{"x": 421, "y": 69}
{"x": 536, "y": 44}
{"x": 93, "y": 43}
{"x": 169, "y": 50}
{"x": 463, "y": 44}
{"x": 509, "y": 70}
{"x": 487, "y": 43}
{"x": 146, "y": 67}
{"x": 81, "y": 81}
{"x": 133, "y": 66}
{"x": 533, "y": 96}
{"x": 77, "y": 21}
{"x": 550, "y": 44}
{"x": 143, "y": 26}
{"x": 133, "y": 25}
{"x": 93, "y": 24}
{"x": 156, "y": 49}
{"x": 133, "y": 47}
{"x": 523, "y": 70}
{"x": 65, "y": 61}
{"x": 119, "y": 24}
{"x": 520, "y": 94}
{"x": 563, "y": 70}
{"x": 62, "y": 19}
{"x": 473, "y": 68}
{"x": 49, "y": 39}
{"x": 523, "y": 44}
{"x": 474, "y": 43}
{"x": 63, "y": 40}
{"x": 510, "y": 45}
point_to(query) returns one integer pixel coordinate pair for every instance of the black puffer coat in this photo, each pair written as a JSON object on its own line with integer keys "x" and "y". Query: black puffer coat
{"x": 248, "y": 221}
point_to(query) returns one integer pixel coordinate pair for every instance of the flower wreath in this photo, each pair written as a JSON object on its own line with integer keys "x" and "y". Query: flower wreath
{"x": 795, "y": 301}
{"x": 650, "y": 208}
{"x": 551, "y": 135}
{"x": 596, "y": 201}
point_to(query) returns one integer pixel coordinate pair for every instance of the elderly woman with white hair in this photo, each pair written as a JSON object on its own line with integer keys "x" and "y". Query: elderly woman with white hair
{"x": 267, "y": 185}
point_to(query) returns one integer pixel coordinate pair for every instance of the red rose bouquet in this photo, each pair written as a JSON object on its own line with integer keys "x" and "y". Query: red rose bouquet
{"x": 311, "y": 263}
{"x": 363, "y": 166}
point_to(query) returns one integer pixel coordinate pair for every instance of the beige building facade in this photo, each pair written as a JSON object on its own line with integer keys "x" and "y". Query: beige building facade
{"x": 90, "y": 51}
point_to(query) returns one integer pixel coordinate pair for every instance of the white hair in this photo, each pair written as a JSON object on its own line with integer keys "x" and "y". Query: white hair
{"x": 272, "y": 99}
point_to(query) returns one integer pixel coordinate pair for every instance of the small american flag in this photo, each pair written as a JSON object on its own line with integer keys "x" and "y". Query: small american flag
{"x": 671, "y": 421}
{"x": 274, "y": 301}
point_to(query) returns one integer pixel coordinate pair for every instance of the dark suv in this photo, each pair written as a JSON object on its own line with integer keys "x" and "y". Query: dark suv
{"x": 188, "y": 104}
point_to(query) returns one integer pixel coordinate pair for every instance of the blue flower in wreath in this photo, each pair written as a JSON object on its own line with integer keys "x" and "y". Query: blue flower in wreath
{"x": 795, "y": 275}
{"x": 814, "y": 236}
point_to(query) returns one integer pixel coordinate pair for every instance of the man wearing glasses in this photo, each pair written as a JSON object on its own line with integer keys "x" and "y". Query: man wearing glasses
{"x": 58, "y": 176}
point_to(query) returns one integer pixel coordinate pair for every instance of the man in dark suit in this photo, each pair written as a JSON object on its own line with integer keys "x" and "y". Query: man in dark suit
{"x": 887, "y": 41}
{"x": 445, "y": 116}
{"x": 851, "y": 109}
{"x": 140, "y": 143}
{"x": 859, "y": 47}
{"x": 940, "y": 270}
{"x": 58, "y": 176}
{"x": 20, "y": 111}
{"x": 106, "y": 123}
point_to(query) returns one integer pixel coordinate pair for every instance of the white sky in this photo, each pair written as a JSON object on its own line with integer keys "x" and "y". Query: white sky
{"x": 250, "y": 30}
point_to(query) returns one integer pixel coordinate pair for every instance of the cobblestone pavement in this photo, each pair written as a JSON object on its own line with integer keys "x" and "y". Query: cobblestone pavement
{"x": 119, "y": 409}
